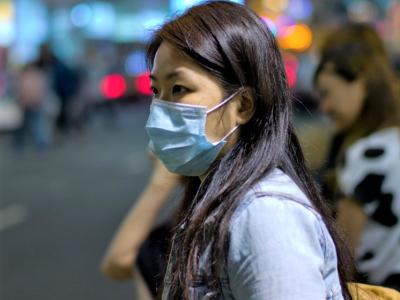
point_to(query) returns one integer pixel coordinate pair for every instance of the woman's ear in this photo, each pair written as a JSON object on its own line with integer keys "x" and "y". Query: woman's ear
{"x": 245, "y": 107}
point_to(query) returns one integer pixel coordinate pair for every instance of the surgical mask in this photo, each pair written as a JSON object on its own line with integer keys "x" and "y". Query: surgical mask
{"x": 177, "y": 136}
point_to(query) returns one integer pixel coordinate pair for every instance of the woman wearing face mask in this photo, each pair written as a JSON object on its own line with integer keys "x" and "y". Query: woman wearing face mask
{"x": 358, "y": 93}
{"x": 253, "y": 225}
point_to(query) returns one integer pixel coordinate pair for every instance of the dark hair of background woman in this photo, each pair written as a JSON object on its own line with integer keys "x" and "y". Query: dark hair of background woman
{"x": 235, "y": 46}
{"x": 356, "y": 51}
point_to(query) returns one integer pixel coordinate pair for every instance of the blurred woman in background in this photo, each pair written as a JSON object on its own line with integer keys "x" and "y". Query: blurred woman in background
{"x": 358, "y": 93}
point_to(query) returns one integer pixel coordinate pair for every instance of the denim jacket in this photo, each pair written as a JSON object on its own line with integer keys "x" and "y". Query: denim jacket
{"x": 279, "y": 249}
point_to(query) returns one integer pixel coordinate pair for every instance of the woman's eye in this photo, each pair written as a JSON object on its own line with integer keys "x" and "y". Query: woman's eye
{"x": 154, "y": 90}
{"x": 177, "y": 89}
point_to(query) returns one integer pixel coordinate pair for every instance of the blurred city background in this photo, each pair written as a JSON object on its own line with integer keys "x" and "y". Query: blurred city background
{"x": 70, "y": 171}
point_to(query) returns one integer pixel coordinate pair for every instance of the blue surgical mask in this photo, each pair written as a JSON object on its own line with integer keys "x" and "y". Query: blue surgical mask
{"x": 177, "y": 136}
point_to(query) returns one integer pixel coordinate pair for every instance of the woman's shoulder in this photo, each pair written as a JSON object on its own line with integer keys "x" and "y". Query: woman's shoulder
{"x": 273, "y": 200}
{"x": 277, "y": 217}
{"x": 275, "y": 189}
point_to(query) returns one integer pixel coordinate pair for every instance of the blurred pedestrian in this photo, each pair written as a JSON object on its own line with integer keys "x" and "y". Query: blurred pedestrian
{"x": 357, "y": 90}
{"x": 63, "y": 79}
{"x": 255, "y": 227}
{"x": 32, "y": 93}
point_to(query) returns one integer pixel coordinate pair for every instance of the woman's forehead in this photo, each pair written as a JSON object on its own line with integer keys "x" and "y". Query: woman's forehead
{"x": 170, "y": 62}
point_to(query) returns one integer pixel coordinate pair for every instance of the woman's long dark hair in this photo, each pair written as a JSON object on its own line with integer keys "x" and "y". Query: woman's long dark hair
{"x": 235, "y": 46}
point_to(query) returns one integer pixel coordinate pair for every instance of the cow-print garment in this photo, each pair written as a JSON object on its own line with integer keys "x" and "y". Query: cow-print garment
{"x": 370, "y": 174}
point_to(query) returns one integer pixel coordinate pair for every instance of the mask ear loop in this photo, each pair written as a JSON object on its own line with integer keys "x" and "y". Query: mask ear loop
{"x": 227, "y": 135}
{"x": 224, "y": 101}
{"x": 221, "y": 104}
{"x": 230, "y": 132}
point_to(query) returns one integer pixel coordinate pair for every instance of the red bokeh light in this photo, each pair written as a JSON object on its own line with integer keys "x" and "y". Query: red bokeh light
{"x": 143, "y": 84}
{"x": 113, "y": 86}
{"x": 291, "y": 67}
{"x": 291, "y": 75}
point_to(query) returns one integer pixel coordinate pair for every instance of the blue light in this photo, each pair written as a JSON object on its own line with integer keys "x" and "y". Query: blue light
{"x": 31, "y": 29}
{"x": 135, "y": 63}
{"x": 81, "y": 14}
{"x": 137, "y": 27}
{"x": 103, "y": 20}
{"x": 7, "y": 33}
{"x": 300, "y": 9}
{"x": 178, "y": 6}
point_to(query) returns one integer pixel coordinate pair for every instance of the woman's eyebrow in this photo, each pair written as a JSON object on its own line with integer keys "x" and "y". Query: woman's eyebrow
{"x": 169, "y": 76}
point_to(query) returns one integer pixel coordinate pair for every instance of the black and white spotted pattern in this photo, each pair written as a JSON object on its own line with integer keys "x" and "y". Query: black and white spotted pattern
{"x": 371, "y": 176}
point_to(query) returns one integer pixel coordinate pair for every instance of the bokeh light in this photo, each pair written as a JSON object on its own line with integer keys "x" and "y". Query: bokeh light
{"x": 6, "y": 11}
{"x": 135, "y": 63}
{"x": 143, "y": 84}
{"x": 113, "y": 86}
{"x": 103, "y": 20}
{"x": 298, "y": 37}
{"x": 81, "y": 15}
{"x": 300, "y": 9}
{"x": 178, "y": 6}
{"x": 276, "y": 6}
{"x": 291, "y": 67}
{"x": 6, "y": 23}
